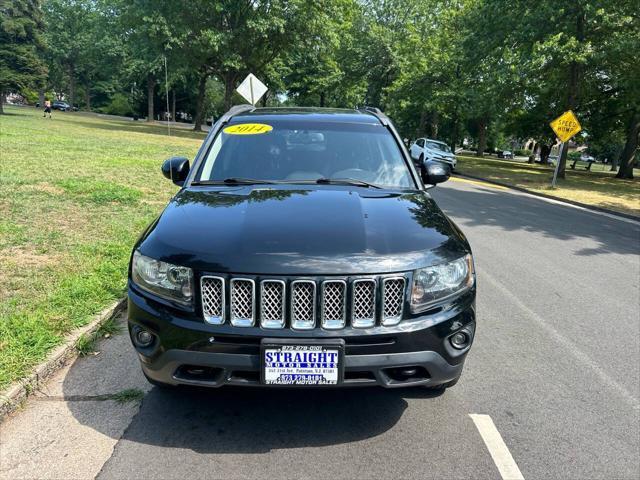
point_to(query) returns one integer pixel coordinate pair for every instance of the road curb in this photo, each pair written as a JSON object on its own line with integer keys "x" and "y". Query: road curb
{"x": 628, "y": 216}
{"x": 14, "y": 395}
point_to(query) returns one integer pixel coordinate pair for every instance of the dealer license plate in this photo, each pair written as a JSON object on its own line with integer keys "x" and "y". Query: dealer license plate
{"x": 292, "y": 364}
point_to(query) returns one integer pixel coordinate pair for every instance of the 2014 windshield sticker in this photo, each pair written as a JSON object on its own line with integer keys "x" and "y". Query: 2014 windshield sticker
{"x": 248, "y": 129}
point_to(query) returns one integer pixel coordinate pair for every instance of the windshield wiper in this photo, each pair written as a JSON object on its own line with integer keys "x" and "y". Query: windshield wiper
{"x": 233, "y": 181}
{"x": 345, "y": 181}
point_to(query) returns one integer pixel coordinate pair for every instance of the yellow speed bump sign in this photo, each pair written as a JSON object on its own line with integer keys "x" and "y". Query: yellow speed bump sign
{"x": 566, "y": 126}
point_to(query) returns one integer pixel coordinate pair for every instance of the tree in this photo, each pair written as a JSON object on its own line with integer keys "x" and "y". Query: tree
{"x": 319, "y": 69}
{"x": 227, "y": 39}
{"x": 150, "y": 34}
{"x": 21, "y": 44}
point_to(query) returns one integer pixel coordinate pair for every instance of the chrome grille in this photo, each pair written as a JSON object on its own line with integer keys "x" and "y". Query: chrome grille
{"x": 242, "y": 302}
{"x": 237, "y": 298}
{"x": 363, "y": 303}
{"x": 212, "y": 289}
{"x": 303, "y": 304}
{"x": 392, "y": 300}
{"x": 272, "y": 306}
{"x": 334, "y": 296}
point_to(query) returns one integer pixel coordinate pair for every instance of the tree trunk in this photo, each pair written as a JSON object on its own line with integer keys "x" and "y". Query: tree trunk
{"x": 41, "y": 97}
{"x": 532, "y": 157}
{"x": 87, "y": 97}
{"x": 322, "y": 99}
{"x": 434, "y": 125}
{"x": 151, "y": 86}
{"x": 630, "y": 147}
{"x": 229, "y": 82}
{"x": 173, "y": 105}
{"x": 422, "y": 124}
{"x": 72, "y": 85}
{"x": 202, "y": 90}
{"x": 482, "y": 137}
{"x": 563, "y": 161}
{"x": 454, "y": 133}
{"x": 264, "y": 99}
{"x": 573, "y": 94}
{"x": 3, "y": 97}
{"x": 544, "y": 154}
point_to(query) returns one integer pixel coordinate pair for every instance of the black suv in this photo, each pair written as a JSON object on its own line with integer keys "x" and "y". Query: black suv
{"x": 302, "y": 249}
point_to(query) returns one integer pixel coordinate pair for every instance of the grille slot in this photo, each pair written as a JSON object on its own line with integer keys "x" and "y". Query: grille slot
{"x": 392, "y": 300}
{"x": 212, "y": 289}
{"x": 272, "y": 304}
{"x": 334, "y": 304}
{"x": 363, "y": 303}
{"x": 303, "y": 304}
{"x": 242, "y": 302}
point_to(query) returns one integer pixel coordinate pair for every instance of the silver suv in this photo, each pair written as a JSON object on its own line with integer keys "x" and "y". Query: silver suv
{"x": 425, "y": 149}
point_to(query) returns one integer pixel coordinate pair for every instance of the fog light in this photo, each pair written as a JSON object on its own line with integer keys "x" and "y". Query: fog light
{"x": 144, "y": 338}
{"x": 459, "y": 340}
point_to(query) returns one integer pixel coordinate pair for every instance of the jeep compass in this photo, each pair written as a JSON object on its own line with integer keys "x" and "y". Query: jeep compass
{"x": 302, "y": 250}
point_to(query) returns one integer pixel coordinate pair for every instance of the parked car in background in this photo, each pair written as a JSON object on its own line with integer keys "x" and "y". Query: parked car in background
{"x": 63, "y": 106}
{"x": 426, "y": 149}
{"x": 505, "y": 154}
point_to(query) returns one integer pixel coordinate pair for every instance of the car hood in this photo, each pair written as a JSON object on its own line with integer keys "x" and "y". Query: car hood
{"x": 440, "y": 153}
{"x": 287, "y": 230}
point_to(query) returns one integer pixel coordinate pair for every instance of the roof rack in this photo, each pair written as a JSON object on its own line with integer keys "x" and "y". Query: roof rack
{"x": 235, "y": 110}
{"x": 376, "y": 112}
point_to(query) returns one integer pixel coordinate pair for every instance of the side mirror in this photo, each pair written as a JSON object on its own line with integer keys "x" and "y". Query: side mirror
{"x": 176, "y": 169}
{"x": 435, "y": 172}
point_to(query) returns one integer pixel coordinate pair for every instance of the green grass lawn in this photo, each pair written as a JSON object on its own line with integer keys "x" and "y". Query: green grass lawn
{"x": 75, "y": 193}
{"x": 595, "y": 187}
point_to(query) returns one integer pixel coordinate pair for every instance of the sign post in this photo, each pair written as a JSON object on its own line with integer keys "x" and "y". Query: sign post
{"x": 565, "y": 127}
{"x": 252, "y": 89}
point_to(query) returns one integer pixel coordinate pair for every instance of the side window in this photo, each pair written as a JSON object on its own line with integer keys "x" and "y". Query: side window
{"x": 420, "y": 142}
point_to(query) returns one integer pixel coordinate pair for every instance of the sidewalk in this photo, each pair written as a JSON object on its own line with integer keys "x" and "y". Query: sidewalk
{"x": 69, "y": 428}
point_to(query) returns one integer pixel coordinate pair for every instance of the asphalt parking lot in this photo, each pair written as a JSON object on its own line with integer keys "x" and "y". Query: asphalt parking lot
{"x": 555, "y": 369}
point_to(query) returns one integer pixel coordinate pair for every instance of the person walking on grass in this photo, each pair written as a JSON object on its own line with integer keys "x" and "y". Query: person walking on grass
{"x": 47, "y": 108}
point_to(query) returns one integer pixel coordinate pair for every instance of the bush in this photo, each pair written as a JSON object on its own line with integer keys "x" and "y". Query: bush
{"x": 522, "y": 152}
{"x": 119, "y": 105}
{"x": 573, "y": 156}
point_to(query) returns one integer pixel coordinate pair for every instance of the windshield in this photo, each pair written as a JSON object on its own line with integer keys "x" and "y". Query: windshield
{"x": 291, "y": 151}
{"x": 438, "y": 146}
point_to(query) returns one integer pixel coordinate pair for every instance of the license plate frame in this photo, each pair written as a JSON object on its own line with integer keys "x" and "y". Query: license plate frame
{"x": 281, "y": 344}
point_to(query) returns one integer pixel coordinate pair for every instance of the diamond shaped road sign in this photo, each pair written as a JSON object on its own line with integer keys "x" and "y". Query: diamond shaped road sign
{"x": 252, "y": 89}
{"x": 566, "y": 126}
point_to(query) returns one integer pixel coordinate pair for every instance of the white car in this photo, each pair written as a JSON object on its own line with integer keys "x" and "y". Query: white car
{"x": 424, "y": 149}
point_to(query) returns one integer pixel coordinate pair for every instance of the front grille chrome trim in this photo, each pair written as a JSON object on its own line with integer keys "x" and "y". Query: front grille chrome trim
{"x": 303, "y": 315}
{"x": 392, "y": 301}
{"x": 267, "y": 305}
{"x": 363, "y": 303}
{"x": 213, "y": 299}
{"x": 243, "y": 305}
{"x": 334, "y": 314}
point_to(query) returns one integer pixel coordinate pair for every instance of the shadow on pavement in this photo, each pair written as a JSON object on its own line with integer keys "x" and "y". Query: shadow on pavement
{"x": 489, "y": 207}
{"x": 231, "y": 420}
{"x": 235, "y": 420}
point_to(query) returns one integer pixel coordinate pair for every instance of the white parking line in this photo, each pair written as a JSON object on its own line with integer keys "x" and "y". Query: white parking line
{"x": 497, "y": 448}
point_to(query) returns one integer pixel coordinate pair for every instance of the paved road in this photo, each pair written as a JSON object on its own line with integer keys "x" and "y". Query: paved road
{"x": 556, "y": 367}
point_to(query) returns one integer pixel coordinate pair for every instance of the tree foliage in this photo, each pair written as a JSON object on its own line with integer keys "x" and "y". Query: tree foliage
{"x": 21, "y": 43}
{"x": 489, "y": 72}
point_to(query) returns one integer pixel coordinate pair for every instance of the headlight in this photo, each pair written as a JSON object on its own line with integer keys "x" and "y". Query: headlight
{"x": 439, "y": 282}
{"x": 164, "y": 279}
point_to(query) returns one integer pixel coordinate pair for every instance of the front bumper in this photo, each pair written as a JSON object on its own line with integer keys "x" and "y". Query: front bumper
{"x": 188, "y": 351}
